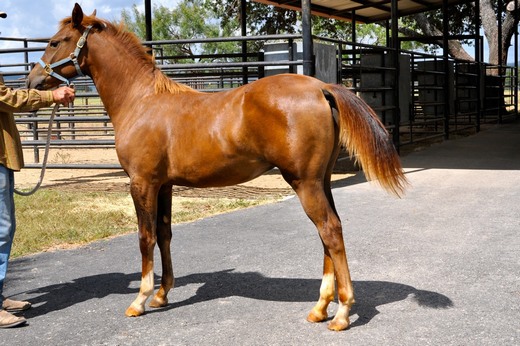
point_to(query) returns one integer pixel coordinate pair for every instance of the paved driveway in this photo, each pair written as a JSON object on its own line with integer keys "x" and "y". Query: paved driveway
{"x": 438, "y": 267}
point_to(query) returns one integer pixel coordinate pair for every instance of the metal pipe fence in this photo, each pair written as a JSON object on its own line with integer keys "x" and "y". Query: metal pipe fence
{"x": 418, "y": 96}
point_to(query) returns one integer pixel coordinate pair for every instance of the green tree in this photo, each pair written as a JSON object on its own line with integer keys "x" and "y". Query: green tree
{"x": 213, "y": 18}
{"x": 264, "y": 19}
{"x": 461, "y": 22}
{"x": 189, "y": 20}
{"x": 261, "y": 19}
{"x": 267, "y": 20}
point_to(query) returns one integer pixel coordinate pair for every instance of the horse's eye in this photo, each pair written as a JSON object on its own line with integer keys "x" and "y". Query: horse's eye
{"x": 54, "y": 44}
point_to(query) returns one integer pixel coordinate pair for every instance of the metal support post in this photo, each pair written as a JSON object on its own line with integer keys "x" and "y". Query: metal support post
{"x": 308, "y": 50}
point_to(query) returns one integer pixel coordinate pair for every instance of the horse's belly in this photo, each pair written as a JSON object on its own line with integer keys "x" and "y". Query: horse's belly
{"x": 217, "y": 173}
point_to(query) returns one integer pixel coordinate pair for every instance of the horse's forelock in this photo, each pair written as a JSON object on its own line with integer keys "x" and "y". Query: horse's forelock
{"x": 65, "y": 22}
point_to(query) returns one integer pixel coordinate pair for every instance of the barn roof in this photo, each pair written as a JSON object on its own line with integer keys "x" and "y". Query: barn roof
{"x": 367, "y": 11}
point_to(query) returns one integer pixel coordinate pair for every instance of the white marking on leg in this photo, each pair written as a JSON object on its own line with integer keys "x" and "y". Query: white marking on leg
{"x": 327, "y": 287}
{"x": 145, "y": 291}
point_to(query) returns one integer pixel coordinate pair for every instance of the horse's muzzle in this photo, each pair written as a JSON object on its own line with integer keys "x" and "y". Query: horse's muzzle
{"x": 37, "y": 78}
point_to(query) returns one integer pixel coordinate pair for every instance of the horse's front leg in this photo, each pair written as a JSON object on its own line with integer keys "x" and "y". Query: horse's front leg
{"x": 164, "y": 236}
{"x": 145, "y": 201}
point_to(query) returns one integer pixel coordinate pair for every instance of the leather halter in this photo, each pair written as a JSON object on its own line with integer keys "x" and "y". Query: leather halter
{"x": 48, "y": 68}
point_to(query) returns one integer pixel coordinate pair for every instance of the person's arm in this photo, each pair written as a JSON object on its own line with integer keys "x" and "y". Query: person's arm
{"x": 23, "y": 100}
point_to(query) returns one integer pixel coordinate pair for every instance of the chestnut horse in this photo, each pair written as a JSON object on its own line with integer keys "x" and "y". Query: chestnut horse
{"x": 169, "y": 134}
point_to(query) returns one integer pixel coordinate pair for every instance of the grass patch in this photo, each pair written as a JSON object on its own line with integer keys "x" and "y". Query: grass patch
{"x": 53, "y": 219}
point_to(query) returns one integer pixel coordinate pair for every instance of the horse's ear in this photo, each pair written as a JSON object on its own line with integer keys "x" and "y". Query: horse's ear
{"x": 77, "y": 16}
{"x": 93, "y": 13}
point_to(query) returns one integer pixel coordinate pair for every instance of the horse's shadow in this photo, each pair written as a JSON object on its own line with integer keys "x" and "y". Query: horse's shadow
{"x": 227, "y": 283}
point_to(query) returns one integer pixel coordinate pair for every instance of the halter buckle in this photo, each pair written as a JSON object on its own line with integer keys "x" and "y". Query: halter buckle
{"x": 47, "y": 68}
{"x": 81, "y": 42}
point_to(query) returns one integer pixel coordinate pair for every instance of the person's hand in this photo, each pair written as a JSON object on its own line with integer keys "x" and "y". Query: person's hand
{"x": 63, "y": 95}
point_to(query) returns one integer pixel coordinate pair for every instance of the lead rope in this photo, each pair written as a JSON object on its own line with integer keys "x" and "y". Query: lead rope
{"x": 45, "y": 156}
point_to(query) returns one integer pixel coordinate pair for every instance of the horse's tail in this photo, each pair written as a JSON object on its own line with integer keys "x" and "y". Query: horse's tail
{"x": 365, "y": 138}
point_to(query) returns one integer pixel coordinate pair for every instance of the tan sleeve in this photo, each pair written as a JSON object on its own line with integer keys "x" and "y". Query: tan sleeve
{"x": 23, "y": 100}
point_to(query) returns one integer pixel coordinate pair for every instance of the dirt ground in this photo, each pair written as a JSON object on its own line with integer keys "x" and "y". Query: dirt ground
{"x": 268, "y": 185}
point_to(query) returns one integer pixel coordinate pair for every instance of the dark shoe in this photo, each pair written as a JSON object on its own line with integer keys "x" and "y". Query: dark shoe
{"x": 15, "y": 305}
{"x": 8, "y": 320}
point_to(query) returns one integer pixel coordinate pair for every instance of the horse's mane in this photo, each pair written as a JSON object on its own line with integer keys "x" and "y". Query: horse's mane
{"x": 132, "y": 43}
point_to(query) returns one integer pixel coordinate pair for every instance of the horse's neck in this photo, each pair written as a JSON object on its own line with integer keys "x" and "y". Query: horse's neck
{"x": 119, "y": 78}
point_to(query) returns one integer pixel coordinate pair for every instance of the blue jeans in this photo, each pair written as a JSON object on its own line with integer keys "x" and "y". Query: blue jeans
{"x": 7, "y": 222}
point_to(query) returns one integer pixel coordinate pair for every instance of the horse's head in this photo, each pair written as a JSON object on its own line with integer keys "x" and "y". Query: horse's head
{"x": 65, "y": 56}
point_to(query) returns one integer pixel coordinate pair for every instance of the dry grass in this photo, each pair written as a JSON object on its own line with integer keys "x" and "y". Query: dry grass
{"x": 53, "y": 219}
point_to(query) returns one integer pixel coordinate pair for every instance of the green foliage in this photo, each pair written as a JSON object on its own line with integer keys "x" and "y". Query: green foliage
{"x": 216, "y": 18}
{"x": 261, "y": 19}
{"x": 221, "y": 18}
{"x": 460, "y": 19}
{"x": 189, "y": 20}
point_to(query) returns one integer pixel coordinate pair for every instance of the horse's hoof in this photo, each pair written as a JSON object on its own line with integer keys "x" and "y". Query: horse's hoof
{"x": 339, "y": 324}
{"x": 158, "y": 302}
{"x": 316, "y": 317}
{"x": 133, "y": 312}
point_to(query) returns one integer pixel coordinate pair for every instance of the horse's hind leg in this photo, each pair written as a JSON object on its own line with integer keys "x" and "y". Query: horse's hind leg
{"x": 164, "y": 236}
{"x": 327, "y": 291}
{"x": 316, "y": 199}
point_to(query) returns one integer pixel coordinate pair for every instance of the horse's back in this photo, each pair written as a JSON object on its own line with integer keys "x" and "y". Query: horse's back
{"x": 225, "y": 138}
{"x": 283, "y": 121}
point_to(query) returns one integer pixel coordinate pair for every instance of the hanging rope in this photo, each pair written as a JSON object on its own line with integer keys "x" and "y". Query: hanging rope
{"x": 45, "y": 156}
